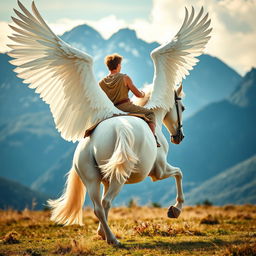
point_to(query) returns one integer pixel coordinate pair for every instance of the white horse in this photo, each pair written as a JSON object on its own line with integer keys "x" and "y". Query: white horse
{"x": 122, "y": 149}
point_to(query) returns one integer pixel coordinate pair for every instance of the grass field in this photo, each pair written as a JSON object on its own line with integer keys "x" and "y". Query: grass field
{"x": 200, "y": 230}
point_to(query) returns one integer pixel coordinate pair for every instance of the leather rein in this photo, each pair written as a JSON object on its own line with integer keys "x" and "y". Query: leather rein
{"x": 179, "y": 136}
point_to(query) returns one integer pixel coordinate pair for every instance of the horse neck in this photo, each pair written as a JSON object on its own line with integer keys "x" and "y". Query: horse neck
{"x": 159, "y": 114}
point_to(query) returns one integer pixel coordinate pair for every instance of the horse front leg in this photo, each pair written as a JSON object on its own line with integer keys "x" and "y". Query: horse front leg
{"x": 163, "y": 171}
{"x": 175, "y": 210}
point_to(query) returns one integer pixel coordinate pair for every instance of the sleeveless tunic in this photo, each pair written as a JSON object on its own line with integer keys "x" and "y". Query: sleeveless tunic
{"x": 115, "y": 88}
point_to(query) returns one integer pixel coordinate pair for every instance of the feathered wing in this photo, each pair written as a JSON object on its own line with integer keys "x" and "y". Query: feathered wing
{"x": 61, "y": 74}
{"x": 173, "y": 60}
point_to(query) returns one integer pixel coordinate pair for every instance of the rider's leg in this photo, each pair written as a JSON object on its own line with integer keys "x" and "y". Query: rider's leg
{"x": 149, "y": 114}
{"x": 152, "y": 127}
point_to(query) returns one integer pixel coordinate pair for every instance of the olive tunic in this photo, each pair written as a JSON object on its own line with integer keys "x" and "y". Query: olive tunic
{"x": 117, "y": 91}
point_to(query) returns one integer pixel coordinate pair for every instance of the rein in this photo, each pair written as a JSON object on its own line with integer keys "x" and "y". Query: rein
{"x": 179, "y": 136}
{"x": 177, "y": 109}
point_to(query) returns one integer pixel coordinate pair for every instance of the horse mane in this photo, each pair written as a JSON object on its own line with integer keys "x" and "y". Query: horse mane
{"x": 147, "y": 89}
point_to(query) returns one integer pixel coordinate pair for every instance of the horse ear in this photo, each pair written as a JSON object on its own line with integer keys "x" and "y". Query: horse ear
{"x": 179, "y": 90}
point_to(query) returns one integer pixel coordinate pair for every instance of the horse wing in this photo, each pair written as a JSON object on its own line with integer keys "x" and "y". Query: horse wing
{"x": 61, "y": 74}
{"x": 173, "y": 60}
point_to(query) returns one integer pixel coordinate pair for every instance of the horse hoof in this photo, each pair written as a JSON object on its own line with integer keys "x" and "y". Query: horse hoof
{"x": 173, "y": 212}
{"x": 114, "y": 242}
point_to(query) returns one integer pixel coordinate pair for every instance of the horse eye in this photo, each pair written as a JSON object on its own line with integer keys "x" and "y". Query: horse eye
{"x": 183, "y": 108}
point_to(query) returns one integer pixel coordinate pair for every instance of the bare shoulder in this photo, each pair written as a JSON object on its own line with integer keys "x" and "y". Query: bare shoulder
{"x": 127, "y": 79}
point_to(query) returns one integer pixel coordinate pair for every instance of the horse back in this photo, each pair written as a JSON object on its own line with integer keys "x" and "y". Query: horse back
{"x": 106, "y": 138}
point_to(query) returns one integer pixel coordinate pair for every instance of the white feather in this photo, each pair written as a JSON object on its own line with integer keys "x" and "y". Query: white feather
{"x": 173, "y": 60}
{"x": 61, "y": 74}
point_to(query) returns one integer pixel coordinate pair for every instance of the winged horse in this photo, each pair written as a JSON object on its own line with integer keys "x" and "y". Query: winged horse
{"x": 122, "y": 149}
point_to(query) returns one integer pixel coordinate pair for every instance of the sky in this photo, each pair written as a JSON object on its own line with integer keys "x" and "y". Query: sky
{"x": 233, "y": 22}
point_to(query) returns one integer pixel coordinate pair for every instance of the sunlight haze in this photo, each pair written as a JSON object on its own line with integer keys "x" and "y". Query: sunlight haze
{"x": 233, "y": 22}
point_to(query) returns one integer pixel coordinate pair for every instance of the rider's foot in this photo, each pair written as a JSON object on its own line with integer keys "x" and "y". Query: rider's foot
{"x": 157, "y": 143}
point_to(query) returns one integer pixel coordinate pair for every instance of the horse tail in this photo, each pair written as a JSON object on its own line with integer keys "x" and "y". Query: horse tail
{"x": 67, "y": 209}
{"x": 122, "y": 162}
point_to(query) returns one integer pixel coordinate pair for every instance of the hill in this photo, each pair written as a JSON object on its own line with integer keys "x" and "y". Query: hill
{"x": 19, "y": 197}
{"x": 236, "y": 185}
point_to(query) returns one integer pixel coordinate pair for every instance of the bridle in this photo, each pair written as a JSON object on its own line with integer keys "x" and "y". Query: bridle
{"x": 178, "y": 137}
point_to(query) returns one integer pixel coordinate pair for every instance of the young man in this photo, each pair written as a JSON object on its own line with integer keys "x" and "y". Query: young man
{"x": 117, "y": 86}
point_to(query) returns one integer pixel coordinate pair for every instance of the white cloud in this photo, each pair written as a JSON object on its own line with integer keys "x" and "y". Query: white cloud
{"x": 233, "y": 22}
{"x": 106, "y": 26}
{"x": 4, "y": 31}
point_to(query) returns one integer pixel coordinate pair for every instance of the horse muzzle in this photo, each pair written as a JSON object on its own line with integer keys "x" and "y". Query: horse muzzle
{"x": 177, "y": 139}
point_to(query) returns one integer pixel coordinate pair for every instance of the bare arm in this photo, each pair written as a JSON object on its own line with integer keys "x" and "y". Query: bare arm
{"x": 133, "y": 88}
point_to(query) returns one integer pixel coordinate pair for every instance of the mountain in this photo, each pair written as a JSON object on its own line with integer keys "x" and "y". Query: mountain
{"x": 210, "y": 81}
{"x": 29, "y": 145}
{"x": 15, "y": 98}
{"x": 18, "y": 197}
{"x": 52, "y": 181}
{"x": 244, "y": 94}
{"x": 236, "y": 185}
{"x": 31, "y": 148}
{"x": 201, "y": 90}
{"x": 219, "y": 136}
{"x": 85, "y": 37}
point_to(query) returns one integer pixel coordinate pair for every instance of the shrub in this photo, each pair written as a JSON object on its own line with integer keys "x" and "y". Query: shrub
{"x": 31, "y": 252}
{"x": 156, "y": 205}
{"x": 209, "y": 220}
{"x": 241, "y": 250}
{"x": 206, "y": 202}
{"x": 229, "y": 207}
{"x": 11, "y": 238}
{"x": 133, "y": 203}
{"x": 63, "y": 249}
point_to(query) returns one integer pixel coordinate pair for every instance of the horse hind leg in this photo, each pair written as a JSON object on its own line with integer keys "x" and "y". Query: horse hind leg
{"x": 92, "y": 180}
{"x": 111, "y": 191}
{"x": 100, "y": 230}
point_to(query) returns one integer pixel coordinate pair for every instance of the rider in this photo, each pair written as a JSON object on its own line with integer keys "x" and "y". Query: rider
{"x": 117, "y": 85}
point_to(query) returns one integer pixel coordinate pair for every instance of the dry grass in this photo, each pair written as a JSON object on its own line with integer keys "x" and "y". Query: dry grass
{"x": 200, "y": 230}
{"x": 248, "y": 249}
